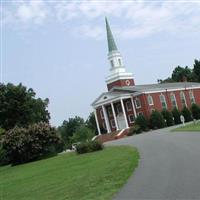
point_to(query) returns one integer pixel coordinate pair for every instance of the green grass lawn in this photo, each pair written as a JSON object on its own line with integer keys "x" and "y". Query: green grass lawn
{"x": 96, "y": 175}
{"x": 190, "y": 127}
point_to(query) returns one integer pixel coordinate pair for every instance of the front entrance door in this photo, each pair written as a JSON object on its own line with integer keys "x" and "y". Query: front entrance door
{"x": 121, "y": 121}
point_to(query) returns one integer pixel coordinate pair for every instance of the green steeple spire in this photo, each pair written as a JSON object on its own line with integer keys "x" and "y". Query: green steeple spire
{"x": 111, "y": 42}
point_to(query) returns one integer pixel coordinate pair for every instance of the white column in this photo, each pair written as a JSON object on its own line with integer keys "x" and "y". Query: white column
{"x": 114, "y": 114}
{"x": 122, "y": 104}
{"x": 106, "y": 119}
{"x": 97, "y": 122}
{"x": 133, "y": 105}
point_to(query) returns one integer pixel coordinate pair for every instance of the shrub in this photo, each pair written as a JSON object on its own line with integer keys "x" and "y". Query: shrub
{"x": 135, "y": 129}
{"x": 25, "y": 145}
{"x": 142, "y": 122}
{"x": 195, "y": 109}
{"x": 168, "y": 117}
{"x": 176, "y": 115}
{"x": 187, "y": 114}
{"x": 89, "y": 146}
{"x": 157, "y": 120}
{"x": 82, "y": 134}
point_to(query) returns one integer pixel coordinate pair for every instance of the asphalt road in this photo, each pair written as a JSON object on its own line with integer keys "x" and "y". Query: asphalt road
{"x": 169, "y": 166}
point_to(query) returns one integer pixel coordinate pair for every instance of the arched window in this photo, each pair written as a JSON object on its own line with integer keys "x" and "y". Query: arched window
{"x": 150, "y": 100}
{"x": 192, "y": 99}
{"x": 163, "y": 101}
{"x": 137, "y": 103}
{"x": 173, "y": 100}
{"x": 119, "y": 60}
{"x": 183, "y": 100}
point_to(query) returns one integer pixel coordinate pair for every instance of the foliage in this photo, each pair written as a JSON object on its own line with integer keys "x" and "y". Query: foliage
{"x": 157, "y": 120}
{"x": 142, "y": 122}
{"x": 196, "y": 70}
{"x": 187, "y": 114}
{"x": 70, "y": 177}
{"x": 189, "y": 127}
{"x": 91, "y": 123}
{"x": 135, "y": 129}
{"x": 82, "y": 134}
{"x": 19, "y": 107}
{"x": 24, "y": 145}
{"x": 168, "y": 117}
{"x": 89, "y": 146}
{"x": 181, "y": 74}
{"x": 195, "y": 109}
{"x": 69, "y": 127}
{"x": 176, "y": 115}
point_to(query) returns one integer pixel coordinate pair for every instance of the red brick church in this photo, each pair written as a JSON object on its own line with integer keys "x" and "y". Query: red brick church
{"x": 117, "y": 108}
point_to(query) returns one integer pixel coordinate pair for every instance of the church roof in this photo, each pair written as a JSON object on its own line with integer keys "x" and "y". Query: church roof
{"x": 136, "y": 90}
{"x": 157, "y": 87}
{"x": 111, "y": 42}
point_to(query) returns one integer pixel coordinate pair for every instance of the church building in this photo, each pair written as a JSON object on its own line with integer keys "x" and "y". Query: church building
{"x": 118, "y": 108}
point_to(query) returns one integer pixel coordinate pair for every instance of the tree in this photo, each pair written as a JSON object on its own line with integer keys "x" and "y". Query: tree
{"x": 176, "y": 115}
{"x": 187, "y": 114}
{"x": 142, "y": 122}
{"x": 195, "y": 109}
{"x": 19, "y": 107}
{"x": 157, "y": 120}
{"x": 68, "y": 128}
{"x": 196, "y": 70}
{"x": 181, "y": 74}
{"x": 91, "y": 123}
{"x": 82, "y": 134}
{"x": 168, "y": 117}
{"x": 28, "y": 144}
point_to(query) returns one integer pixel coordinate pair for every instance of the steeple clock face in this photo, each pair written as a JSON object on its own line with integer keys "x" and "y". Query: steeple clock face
{"x": 127, "y": 82}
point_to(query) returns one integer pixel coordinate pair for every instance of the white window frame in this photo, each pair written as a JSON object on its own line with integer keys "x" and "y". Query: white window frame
{"x": 174, "y": 100}
{"x": 185, "y": 102}
{"x": 128, "y": 108}
{"x": 192, "y": 98}
{"x": 101, "y": 114}
{"x": 151, "y": 99}
{"x": 137, "y": 106}
{"x": 112, "y": 123}
{"x": 129, "y": 118}
{"x": 165, "y": 102}
{"x": 140, "y": 113}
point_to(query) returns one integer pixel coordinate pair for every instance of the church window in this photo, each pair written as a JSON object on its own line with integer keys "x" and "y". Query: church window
{"x": 173, "y": 100}
{"x": 137, "y": 103}
{"x": 183, "y": 100}
{"x": 192, "y": 99}
{"x": 150, "y": 100}
{"x": 128, "y": 106}
{"x": 131, "y": 118}
{"x": 139, "y": 113}
{"x": 163, "y": 101}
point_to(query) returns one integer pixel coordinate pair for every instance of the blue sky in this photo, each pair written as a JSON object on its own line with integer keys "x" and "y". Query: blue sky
{"x": 59, "y": 48}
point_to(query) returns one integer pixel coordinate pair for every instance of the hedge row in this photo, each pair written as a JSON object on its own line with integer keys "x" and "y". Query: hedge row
{"x": 164, "y": 118}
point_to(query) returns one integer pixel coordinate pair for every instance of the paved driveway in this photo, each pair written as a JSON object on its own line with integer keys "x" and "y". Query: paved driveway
{"x": 169, "y": 166}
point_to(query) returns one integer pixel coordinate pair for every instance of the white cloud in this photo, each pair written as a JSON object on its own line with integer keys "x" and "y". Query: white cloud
{"x": 136, "y": 18}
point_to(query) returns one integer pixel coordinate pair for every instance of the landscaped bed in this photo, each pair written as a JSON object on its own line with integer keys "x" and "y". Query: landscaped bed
{"x": 189, "y": 127}
{"x": 97, "y": 175}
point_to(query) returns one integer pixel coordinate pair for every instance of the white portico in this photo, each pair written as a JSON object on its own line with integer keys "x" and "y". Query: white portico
{"x": 112, "y": 110}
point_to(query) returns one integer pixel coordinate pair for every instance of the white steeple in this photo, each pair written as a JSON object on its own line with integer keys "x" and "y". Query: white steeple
{"x": 117, "y": 70}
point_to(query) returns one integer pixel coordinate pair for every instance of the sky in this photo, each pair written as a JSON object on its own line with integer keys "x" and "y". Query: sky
{"x": 59, "y": 48}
